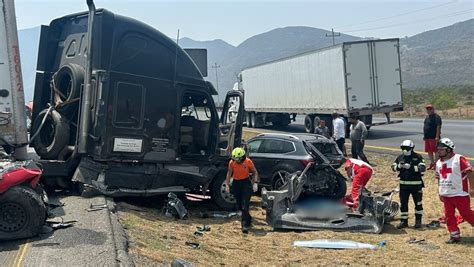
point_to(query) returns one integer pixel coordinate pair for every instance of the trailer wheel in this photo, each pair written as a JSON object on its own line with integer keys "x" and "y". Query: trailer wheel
{"x": 316, "y": 121}
{"x": 67, "y": 88}
{"x": 54, "y": 134}
{"x": 223, "y": 200}
{"x": 248, "y": 119}
{"x": 253, "y": 119}
{"x": 309, "y": 123}
{"x": 22, "y": 213}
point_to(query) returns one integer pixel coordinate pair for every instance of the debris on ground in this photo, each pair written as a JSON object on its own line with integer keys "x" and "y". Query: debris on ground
{"x": 433, "y": 225}
{"x": 193, "y": 245}
{"x": 180, "y": 263}
{"x": 96, "y": 207}
{"x": 174, "y": 207}
{"x": 335, "y": 244}
{"x": 218, "y": 214}
{"x": 414, "y": 240}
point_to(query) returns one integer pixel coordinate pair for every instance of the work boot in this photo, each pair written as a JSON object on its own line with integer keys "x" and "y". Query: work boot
{"x": 453, "y": 240}
{"x": 402, "y": 224}
{"x": 418, "y": 223}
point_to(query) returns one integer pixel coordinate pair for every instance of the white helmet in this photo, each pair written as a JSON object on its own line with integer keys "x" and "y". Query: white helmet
{"x": 407, "y": 143}
{"x": 446, "y": 142}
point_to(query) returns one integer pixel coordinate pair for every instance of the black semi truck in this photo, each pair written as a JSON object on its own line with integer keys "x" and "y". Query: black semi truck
{"x": 121, "y": 108}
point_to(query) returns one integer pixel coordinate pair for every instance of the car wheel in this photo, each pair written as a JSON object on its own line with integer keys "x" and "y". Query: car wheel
{"x": 280, "y": 177}
{"x": 22, "y": 213}
{"x": 340, "y": 188}
{"x": 223, "y": 200}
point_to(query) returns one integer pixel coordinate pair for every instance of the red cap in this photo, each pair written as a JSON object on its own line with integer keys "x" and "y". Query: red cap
{"x": 428, "y": 106}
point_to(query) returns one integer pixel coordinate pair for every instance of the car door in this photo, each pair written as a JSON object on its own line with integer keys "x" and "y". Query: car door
{"x": 230, "y": 124}
{"x": 258, "y": 159}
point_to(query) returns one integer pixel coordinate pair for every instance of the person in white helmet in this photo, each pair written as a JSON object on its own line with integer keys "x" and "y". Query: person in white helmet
{"x": 454, "y": 173}
{"x": 410, "y": 166}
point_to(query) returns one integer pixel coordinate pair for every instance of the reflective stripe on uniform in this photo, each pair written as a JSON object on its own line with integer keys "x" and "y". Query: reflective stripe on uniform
{"x": 410, "y": 182}
{"x": 419, "y": 212}
{"x": 404, "y": 215}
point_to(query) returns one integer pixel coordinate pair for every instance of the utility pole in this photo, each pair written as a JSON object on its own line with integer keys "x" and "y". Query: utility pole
{"x": 215, "y": 66}
{"x": 333, "y": 35}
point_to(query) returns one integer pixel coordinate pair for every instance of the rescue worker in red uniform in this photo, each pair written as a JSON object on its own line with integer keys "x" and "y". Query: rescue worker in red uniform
{"x": 360, "y": 173}
{"x": 410, "y": 166}
{"x": 239, "y": 170}
{"x": 454, "y": 173}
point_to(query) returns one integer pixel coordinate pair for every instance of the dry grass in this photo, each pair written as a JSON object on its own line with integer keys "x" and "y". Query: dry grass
{"x": 156, "y": 239}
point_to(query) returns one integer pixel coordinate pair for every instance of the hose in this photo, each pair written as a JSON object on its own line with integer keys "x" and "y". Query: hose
{"x": 41, "y": 125}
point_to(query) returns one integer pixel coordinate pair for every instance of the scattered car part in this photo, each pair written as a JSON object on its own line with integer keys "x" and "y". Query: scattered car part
{"x": 414, "y": 240}
{"x": 193, "y": 244}
{"x": 174, "y": 207}
{"x": 282, "y": 211}
{"x": 219, "y": 214}
{"x": 335, "y": 244}
{"x": 204, "y": 228}
{"x": 96, "y": 207}
{"x": 434, "y": 224}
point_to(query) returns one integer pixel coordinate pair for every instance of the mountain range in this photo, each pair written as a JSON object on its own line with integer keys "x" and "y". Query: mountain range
{"x": 433, "y": 58}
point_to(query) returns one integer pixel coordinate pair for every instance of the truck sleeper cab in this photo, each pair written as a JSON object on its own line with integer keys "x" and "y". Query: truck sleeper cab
{"x": 154, "y": 127}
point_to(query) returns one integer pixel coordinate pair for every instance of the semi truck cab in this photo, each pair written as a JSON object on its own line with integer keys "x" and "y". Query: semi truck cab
{"x": 123, "y": 109}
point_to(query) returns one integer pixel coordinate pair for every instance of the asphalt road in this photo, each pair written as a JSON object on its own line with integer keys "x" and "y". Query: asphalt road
{"x": 89, "y": 242}
{"x": 390, "y": 136}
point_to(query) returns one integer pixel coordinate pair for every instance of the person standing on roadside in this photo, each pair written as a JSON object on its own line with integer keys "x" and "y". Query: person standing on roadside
{"x": 358, "y": 135}
{"x": 322, "y": 129}
{"x": 339, "y": 132}
{"x": 456, "y": 186}
{"x": 239, "y": 169}
{"x": 431, "y": 134}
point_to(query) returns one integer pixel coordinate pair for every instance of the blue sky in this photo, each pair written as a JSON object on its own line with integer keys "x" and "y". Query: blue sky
{"x": 235, "y": 21}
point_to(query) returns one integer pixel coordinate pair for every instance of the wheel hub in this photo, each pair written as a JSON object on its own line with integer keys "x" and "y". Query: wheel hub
{"x": 12, "y": 217}
{"x": 227, "y": 196}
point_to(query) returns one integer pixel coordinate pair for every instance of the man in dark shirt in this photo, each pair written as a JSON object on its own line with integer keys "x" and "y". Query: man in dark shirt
{"x": 431, "y": 134}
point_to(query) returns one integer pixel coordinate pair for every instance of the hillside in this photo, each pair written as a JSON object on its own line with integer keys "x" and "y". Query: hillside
{"x": 440, "y": 57}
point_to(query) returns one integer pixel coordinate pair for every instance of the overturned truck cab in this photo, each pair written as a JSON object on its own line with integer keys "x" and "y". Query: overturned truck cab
{"x": 121, "y": 108}
{"x": 284, "y": 210}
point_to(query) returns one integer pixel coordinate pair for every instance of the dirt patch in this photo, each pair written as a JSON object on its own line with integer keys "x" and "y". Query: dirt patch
{"x": 157, "y": 239}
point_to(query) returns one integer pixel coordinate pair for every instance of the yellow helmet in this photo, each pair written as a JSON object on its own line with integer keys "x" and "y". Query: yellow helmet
{"x": 238, "y": 154}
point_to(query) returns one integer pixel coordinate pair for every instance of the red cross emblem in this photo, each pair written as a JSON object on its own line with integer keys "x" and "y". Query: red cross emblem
{"x": 445, "y": 171}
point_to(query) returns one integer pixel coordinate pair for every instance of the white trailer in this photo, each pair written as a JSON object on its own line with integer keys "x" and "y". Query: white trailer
{"x": 361, "y": 78}
{"x": 13, "y": 131}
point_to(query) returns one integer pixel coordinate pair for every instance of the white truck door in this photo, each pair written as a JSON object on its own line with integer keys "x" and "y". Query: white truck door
{"x": 359, "y": 76}
{"x": 387, "y": 73}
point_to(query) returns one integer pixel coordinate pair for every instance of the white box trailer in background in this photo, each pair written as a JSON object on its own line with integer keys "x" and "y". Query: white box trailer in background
{"x": 13, "y": 130}
{"x": 361, "y": 78}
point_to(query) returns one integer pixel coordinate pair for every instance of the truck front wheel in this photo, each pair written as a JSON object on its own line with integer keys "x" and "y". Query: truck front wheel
{"x": 223, "y": 200}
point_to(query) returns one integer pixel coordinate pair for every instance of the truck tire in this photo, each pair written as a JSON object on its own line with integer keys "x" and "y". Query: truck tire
{"x": 316, "y": 121}
{"x": 248, "y": 120}
{"x": 309, "y": 123}
{"x": 68, "y": 81}
{"x": 22, "y": 213}
{"x": 222, "y": 199}
{"x": 54, "y": 135}
{"x": 253, "y": 119}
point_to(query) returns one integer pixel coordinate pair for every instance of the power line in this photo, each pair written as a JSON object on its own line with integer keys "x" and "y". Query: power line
{"x": 415, "y": 21}
{"x": 399, "y": 15}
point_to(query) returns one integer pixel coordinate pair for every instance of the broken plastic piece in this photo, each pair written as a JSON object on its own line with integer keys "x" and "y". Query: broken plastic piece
{"x": 334, "y": 244}
{"x": 219, "y": 214}
{"x": 174, "y": 207}
{"x": 204, "y": 228}
{"x": 193, "y": 244}
{"x": 180, "y": 263}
